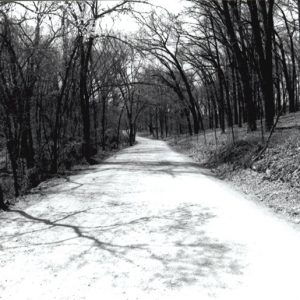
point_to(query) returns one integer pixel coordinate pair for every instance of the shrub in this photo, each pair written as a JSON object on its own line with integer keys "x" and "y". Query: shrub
{"x": 32, "y": 178}
{"x": 71, "y": 155}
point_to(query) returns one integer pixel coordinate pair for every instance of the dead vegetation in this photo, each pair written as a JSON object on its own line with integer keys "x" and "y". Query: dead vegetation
{"x": 238, "y": 154}
{"x": 273, "y": 179}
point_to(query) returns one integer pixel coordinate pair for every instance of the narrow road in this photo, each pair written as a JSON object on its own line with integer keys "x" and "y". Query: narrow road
{"x": 145, "y": 224}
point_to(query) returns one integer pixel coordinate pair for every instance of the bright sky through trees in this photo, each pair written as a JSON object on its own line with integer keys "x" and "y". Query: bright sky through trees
{"x": 127, "y": 23}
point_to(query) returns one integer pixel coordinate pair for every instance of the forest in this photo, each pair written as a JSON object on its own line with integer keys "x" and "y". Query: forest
{"x": 73, "y": 85}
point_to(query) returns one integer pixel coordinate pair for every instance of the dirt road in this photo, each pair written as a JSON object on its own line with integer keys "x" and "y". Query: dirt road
{"x": 145, "y": 224}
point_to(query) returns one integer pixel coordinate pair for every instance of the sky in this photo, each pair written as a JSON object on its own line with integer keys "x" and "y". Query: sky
{"x": 127, "y": 24}
{"x": 172, "y": 5}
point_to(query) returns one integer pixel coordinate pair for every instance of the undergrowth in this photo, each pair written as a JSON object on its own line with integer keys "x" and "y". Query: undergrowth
{"x": 238, "y": 154}
{"x": 281, "y": 160}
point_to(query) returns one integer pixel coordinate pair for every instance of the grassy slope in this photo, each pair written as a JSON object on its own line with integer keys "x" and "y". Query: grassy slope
{"x": 273, "y": 180}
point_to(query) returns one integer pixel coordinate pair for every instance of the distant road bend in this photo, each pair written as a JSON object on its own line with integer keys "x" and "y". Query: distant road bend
{"x": 146, "y": 224}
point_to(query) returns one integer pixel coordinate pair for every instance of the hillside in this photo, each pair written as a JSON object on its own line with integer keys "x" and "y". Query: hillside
{"x": 273, "y": 180}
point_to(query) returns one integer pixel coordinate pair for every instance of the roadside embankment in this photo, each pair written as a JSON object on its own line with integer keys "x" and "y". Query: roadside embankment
{"x": 274, "y": 179}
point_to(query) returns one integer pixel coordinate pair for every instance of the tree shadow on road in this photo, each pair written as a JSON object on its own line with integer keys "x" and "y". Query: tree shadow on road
{"x": 156, "y": 167}
{"x": 175, "y": 241}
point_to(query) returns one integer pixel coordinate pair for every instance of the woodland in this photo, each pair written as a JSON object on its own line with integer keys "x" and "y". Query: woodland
{"x": 72, "y": 86}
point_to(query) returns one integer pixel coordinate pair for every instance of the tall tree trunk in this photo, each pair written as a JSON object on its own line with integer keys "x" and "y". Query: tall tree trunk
{"x": 264, "y": 49}
{"x": 103, "y": 123}
{"x": 84, "y": 96}
{"x": 242, "y": 67}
